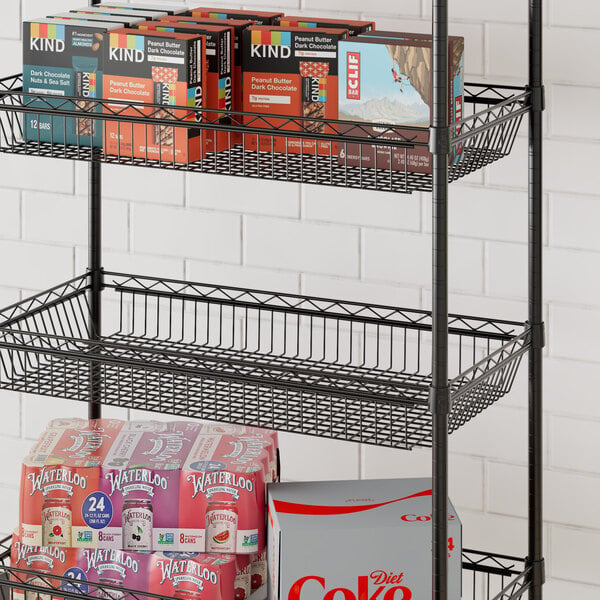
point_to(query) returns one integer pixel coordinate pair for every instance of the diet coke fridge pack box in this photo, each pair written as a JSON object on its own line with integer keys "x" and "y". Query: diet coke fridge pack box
{"x": 374, "y": 541}
{"x": 60, "y": 479}
{"x": 222, "y": 496}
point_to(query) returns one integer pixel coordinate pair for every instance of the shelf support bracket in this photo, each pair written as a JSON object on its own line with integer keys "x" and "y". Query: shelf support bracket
{"x": 538, "y": 571}
{"x": 440, "y": 402}
{"x": 537, "y": 98}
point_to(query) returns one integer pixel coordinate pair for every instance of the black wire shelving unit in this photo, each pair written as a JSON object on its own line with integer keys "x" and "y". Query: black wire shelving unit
{"x": 351, "y": 371}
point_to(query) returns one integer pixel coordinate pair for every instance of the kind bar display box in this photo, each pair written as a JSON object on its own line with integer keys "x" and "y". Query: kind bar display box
{"x": 152, "y": 67}
{"x": 352, "y": 26}
{"x": 122, "y": 21}
{"x": 219, "y": 83}
{"x": 367, "y": 539}
{"x": 64, "y": 59}
{"x": 386, "y": 78}
{"x": 120, "y": 12}
{"x": 238, "y": 26}
{"x": 170, "y": 9}
{"x": 258, "y": 17}
{"x": 291, "y": 71}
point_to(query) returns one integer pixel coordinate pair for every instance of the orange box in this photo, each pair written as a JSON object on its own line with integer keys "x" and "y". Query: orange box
{"x": 163, "y": 69}
{"x": 291, "y": 71}
{"x": 220, "y": 84}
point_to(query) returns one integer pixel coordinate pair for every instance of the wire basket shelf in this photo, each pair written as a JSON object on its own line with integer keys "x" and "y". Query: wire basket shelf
{"x": 485, "y": 576}
{"x": 296, "y": 149}
{"x": 329, "y": 368}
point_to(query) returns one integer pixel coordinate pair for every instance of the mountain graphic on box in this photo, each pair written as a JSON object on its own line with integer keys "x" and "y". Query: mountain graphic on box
{"x": 385, "y": 110}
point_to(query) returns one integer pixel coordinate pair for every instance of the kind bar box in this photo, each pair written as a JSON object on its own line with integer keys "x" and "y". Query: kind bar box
{"x": 258, "y": 17}
{"x": 222, "y": 497}
{"x": 353, "y": 27}
{"x": 367, "y": 539}
{"x": 152, "y": 67}
{"x": 238, "y": 26}
{"x": 60, "y": 479}
{"x": 386, "y": 78}
{"x": 118, "y": 21}
{"x": 219, "y": 83}
{"x": 120, "y": 12}
{"x": 170, "y": 9}
{"x": 64, "y": 59}
{"x": 291, "y": 71}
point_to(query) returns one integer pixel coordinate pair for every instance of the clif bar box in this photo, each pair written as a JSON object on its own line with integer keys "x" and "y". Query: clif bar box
{"x": 352, "y": 26}
{"x": 219, "y": 85}
{"x": 366, "y": 539}
{"x": 170, "y": 9}
{"x": 64, "y": 58}
{"x": 291, "y": 71}
{"x": 238, "y": 26}
{"x": 386, "y": 78}
{"x": 259, "y": 17}
{"x": 152, "y": 67}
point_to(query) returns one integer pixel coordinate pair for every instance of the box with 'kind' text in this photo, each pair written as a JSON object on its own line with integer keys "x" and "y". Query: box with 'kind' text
{"x": 64, "y": 58}
{"x": 219, "y": 86}
{"x": 161, "y": 69}
{"x": 291, "y": 71}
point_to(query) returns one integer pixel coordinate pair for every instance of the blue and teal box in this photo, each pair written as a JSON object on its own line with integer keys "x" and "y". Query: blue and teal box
{"x": 385, "y": 78}
{"x": 63, "y": 59}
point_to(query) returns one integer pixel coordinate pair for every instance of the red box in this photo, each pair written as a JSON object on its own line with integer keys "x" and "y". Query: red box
{"x": 169, "y": 69}
{"x": 220, "y": 83}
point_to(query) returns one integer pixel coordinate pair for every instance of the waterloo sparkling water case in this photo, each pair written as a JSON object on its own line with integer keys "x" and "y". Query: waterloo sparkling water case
{"x": 59, "y": 482}
{"x": 64, "y": 59}
{"x": 356, "y": 540}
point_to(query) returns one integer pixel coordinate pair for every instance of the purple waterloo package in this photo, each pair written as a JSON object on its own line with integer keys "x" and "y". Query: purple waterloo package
{"x": 140, "y": 477}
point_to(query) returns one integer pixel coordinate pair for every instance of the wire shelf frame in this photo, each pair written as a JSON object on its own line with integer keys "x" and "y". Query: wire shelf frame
{"x": 486, "y": 576}
{"x": 327, "y": 152}
{"x": 330, "y": 368}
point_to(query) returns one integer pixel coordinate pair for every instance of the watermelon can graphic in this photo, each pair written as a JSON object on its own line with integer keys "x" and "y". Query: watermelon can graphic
{"x": 56, "y": 522}
{"x": 40, "y": 581}
{"x": 221, "y": 527}
{"x": 138, "y": 519}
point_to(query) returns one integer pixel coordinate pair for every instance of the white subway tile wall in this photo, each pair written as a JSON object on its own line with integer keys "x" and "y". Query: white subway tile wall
{"x": 372, "y": 247}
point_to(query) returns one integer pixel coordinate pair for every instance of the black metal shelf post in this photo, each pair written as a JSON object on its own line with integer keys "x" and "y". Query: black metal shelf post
{"x": 440, "y": 396}
{"x": 95, "y": 270}
{"x": 535, "y": 551}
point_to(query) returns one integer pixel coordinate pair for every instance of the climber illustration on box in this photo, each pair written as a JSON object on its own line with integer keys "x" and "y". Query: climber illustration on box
{"x": 399, "y": 78}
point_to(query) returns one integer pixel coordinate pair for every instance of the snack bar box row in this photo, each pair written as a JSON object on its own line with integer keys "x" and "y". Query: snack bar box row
{"x": 145, "y": 486}
{"x": 184, "y": 575}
